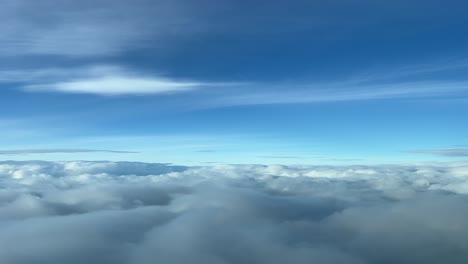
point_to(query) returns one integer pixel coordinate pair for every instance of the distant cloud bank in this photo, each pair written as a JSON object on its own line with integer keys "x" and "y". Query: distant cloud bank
{"x": 455, "y": 152}
{"x": 137, "y": 213}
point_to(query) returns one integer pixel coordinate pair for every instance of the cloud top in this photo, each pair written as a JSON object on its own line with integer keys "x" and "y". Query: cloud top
{"x": 138, "y": 213}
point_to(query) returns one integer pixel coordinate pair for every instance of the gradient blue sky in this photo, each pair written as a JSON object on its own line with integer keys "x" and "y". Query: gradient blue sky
{"x": 195, "y": 82}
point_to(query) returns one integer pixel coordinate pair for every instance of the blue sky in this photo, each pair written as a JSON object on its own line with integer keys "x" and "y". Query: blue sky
{"x": 196, "y": 82}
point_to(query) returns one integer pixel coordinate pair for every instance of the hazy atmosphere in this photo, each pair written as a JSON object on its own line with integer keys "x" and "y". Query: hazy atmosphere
{"x": 226, "y": 132}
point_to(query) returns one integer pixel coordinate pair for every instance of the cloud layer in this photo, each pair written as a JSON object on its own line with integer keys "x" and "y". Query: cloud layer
{"x": 135, "y": 213}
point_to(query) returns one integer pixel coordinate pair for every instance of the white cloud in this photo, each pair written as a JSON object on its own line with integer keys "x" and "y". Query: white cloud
{"x": 118, "y": 85}
{"x": 137, "y": 213}
{"x": 98, "y": 80}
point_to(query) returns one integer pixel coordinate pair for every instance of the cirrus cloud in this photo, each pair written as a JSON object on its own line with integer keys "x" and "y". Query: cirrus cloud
{"x": 49, "y": 151}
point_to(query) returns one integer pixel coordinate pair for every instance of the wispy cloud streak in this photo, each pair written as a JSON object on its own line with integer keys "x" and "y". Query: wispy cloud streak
{"x": 62, "y": 151}
{"x": 294, "y": 93}
{"x": 453, "y": 152}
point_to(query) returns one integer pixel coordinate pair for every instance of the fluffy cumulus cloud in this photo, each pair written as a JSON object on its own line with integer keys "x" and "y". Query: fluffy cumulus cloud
{"x": 138, "y": 213}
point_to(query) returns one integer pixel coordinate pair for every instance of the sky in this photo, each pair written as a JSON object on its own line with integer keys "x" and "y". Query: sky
{"x": 301, "y": 131}
{"x": 205, "y": 82}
